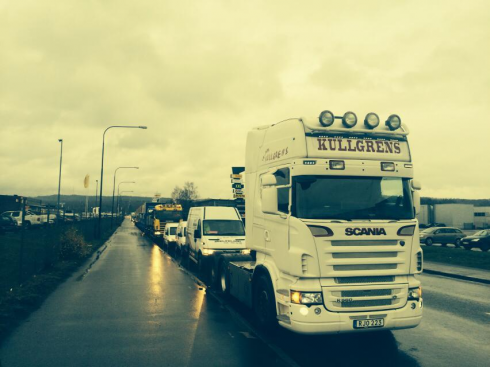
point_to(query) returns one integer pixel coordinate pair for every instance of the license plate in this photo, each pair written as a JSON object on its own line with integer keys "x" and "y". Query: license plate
{"x": 366, "y": 324}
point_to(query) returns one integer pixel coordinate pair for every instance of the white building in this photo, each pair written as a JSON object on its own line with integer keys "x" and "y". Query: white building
{"x": 455, "y": 215}
{"x": 482, "y": 216}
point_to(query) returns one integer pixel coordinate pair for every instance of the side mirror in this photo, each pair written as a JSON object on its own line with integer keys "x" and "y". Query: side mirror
{"x": 416, "y": 202}
{"x": 269, "y": 200}
{"x": 416, "y": 185}
{"x": 197, "y": 234}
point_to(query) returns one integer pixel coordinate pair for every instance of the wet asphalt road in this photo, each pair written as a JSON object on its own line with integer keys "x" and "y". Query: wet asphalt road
{"x": 136, "y": 307}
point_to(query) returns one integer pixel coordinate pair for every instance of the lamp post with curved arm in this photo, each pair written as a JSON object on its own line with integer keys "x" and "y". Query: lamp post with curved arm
{"x": 113, "y": 192}
{"x": 119, "y": 201}
{"x": 120, "y": 183}
{"x": 102, "y": 168}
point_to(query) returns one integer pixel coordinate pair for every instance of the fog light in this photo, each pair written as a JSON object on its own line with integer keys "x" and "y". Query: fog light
{"x": 394, "y": 122}
{"x": 326, "y": 118}
{"x": 318, "y": 310}
{"x": 371, "y": 121}
{"x": 388, "y": 166}
{"x": 349, "y": 119}
{"x": 304, "y": 311}
{"x": 207, "y": 252}
{"x": 246, "y": 251}
{"x": 339, "y": 165}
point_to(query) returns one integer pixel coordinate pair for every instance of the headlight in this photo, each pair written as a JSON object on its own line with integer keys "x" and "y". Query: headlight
{"x": 158, "y": 233}
{"x": 414, "y": 293}
{"x": 306, "y": 298}
{"x": 207, "y": 252}
{"x": 246, "y": 251}
{"x": 475, "y": 240}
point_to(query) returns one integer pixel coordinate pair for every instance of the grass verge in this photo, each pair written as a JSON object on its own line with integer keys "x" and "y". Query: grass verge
{"x": 17, "y": 304}
{"x": 457, "y": 256}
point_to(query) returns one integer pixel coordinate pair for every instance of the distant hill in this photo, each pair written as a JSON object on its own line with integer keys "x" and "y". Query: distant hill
{"x": 77, "y": 202}
{"x": 475, "y": 202}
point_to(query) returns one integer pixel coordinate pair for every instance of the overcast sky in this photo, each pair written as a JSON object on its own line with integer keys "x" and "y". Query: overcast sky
{"x": 200, "y": 74}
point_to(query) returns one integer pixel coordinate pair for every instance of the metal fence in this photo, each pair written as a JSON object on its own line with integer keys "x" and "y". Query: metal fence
{"x": 29, "y": 250}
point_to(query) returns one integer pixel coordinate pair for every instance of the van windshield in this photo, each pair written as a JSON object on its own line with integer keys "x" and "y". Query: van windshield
{"x": 223, "y": 228}
{"x": 173, "y": 231}
{"x": 349, "y": 198}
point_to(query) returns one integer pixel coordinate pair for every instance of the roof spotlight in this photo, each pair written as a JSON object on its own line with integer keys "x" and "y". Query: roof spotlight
{"x": 326, "y": 118}
{"x": 349, "y": 119}
{"x": 371, "y": 121}
{"x": 394, "y": 122}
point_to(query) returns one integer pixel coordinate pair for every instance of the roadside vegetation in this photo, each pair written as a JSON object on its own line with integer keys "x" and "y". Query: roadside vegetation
{"x": 457, "y": 256}
{"x": 70, "y": 247}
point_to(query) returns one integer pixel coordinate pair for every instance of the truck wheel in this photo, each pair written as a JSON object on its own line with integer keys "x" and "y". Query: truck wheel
{"x": 429, "y": 242}
{"x": 265, "y": 303}
{"x": 224, "y": 278}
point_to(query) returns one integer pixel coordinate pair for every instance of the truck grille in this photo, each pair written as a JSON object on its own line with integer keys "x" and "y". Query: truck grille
{"x": 364, "y": 280}
{"x": 365, "y": 298}
{"x": 363, "y": 258}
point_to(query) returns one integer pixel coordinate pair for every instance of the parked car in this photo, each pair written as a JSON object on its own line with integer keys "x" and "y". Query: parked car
{"x": 7, "y": 224}
{"x": 480, "y": 239}
{"x": 30, "y": 218}
{"x": 442, "y": 235}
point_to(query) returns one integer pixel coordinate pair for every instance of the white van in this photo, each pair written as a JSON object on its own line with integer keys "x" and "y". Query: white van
{"x": 170, "y": 236}
{"x": 212, "y": 230}
{"x": 181, "y": 236}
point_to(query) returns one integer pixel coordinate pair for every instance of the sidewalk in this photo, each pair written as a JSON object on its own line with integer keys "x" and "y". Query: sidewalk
{"x": 458, "y": 272}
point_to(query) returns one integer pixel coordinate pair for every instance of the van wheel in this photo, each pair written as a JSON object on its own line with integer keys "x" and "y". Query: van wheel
{"x": 265, "y": 303}
{"x": 429, "y": 242}
{"x": 224, "y": 278}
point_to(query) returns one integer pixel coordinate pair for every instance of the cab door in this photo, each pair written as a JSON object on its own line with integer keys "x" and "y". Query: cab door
{"x": 276, "y": 226}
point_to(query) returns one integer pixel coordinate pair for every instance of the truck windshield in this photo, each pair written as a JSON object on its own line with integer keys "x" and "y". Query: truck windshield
{"x": 168, "y": 215}
{"x": 223, "y": 228}
{"x": 348, "y": 198}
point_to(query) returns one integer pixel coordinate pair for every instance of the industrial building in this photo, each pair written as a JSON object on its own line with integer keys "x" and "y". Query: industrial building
{"x": 463, "y": 216}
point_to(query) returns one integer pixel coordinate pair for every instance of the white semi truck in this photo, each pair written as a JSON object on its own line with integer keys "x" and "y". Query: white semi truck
{"x": 330, "y": 220}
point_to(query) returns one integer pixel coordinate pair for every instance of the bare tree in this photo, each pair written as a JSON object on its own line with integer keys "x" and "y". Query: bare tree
{"x": 185, "y": 196}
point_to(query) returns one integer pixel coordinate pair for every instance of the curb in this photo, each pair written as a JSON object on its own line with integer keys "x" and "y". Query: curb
{"x": 457, "y": 276}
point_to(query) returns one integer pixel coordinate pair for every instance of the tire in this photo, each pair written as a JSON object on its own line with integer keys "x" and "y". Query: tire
{"x": 467, "y": 247}
{"x": 428, "y": 242}
{"x": 485, "y": 248}
{"x": 265, "y": 304}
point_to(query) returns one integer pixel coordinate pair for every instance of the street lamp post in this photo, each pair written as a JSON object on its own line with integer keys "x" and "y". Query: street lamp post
{"x": 120, "y": 183}
{"x": 118, "y": 200}
{"x": 102, "y": 170}
{"x": 114, "y": 190}
{"x": 59, "y": 182}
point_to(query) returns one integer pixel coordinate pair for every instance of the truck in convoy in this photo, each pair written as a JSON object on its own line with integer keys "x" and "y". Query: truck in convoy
{"x": 162, "y": 215}
{"x": 330, "y": 220}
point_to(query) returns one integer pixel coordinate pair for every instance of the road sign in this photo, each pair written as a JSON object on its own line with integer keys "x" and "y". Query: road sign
{"x": 237, "y": 186}
{"x": 239, "y": 196}
{"x": 237, "y": 170}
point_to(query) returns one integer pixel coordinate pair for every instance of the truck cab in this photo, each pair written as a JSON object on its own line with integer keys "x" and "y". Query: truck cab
{"x": 330, "y": 218}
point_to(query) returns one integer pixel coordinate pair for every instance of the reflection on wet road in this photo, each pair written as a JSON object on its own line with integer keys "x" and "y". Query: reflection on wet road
{"x": 137, "y": 307}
